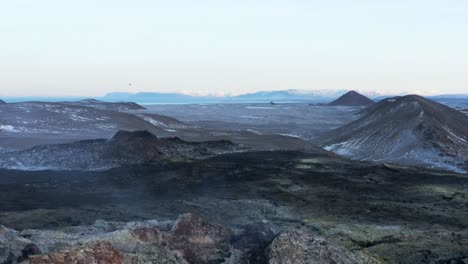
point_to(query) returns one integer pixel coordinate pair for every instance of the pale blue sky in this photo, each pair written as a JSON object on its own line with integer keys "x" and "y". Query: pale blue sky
{"x": 91, "y": 47}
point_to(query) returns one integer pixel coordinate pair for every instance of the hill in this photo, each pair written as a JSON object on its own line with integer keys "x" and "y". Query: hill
{"x": 409, "y": 130}
{"x": 67, "y": 119}
{"x": 352, "y": 98}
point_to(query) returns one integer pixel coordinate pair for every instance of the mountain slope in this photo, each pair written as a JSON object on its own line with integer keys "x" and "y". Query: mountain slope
{"x": 117, "y": 106}
{"x": 66, "y": 119}
{"x": 78, "y": 118}
{"x": 124, "y": 148}
{"x": 408, "y": 130}
{"x": 352, "y": 98}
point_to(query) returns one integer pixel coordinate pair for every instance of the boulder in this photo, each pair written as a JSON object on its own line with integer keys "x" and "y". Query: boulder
{"x": 14, "y": 248}
{"x": 94, "y": 253}
{"x": 199, "y": 240}
{"x": 298, "y": 247}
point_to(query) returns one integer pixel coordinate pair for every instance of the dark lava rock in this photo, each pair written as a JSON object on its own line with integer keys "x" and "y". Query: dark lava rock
{"x": 29, "y": 250}
{"x": 123, "y": 136}
{"x": 124, "y": 148}
{"x": 253, "y": 242}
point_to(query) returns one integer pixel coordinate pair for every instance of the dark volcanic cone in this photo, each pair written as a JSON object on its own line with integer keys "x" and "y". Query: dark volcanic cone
{"x": 409, "y": 130}
{"x": 352, "y": 98}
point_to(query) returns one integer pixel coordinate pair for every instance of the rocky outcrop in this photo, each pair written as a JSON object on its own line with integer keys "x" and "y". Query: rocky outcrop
{"x": 253, "y": 242}
{"x": 302, "y": 248}
{"x": 190, "y": 239}
{"x": 200, "y": 241}
{"x": 15, "y": 248}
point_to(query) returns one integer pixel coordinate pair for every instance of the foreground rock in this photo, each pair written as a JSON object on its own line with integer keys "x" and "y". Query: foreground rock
{"x": 301, "y": 248}
{"x": 200, "y": 241}
{"x": 392, "y": 213}
{"x": 99, "y": 252}
{"x": 190, "y": 239}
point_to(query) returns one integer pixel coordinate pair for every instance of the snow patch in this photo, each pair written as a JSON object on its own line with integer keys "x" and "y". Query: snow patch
{"x": 260, "y": 107}
{"x": 253, "y": 131}
{"x": 8, "y": 128}
{"x": 254, "y": 117}
{"x": 289, "y": 135}
{"x": 453, "y": 137}
{"x": 339, "y": 148}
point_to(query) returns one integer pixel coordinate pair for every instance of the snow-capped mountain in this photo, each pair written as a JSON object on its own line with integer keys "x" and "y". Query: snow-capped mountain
{"x": 408, "y": 130}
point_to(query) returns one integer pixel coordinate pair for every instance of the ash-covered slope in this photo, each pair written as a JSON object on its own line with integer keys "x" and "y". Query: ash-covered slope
{"x": 66, "y": 119}
{"x": 118, "y": 106}
{"x": 124, "y": 148}
{"x": 408, "y": 130}
{"x": 352, "y": 98}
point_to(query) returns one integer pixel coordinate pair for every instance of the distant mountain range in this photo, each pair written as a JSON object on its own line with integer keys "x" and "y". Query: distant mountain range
{"x": 284, "y": 96}
{"x": 258, "y": 97}
{"x": 318, "y": 96}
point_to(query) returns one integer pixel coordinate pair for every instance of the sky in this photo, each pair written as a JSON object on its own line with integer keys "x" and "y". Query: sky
{"x": 219, "y": 47}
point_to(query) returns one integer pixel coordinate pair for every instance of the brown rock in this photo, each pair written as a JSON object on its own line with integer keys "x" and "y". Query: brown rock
{"x": 297, "y": 247}
{"x": 147, "y": 234}
{"x": 199, "y": 240}
{"x": 93, "y": 253}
